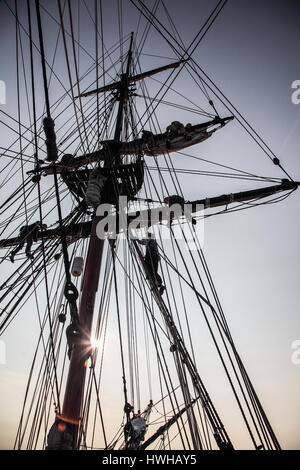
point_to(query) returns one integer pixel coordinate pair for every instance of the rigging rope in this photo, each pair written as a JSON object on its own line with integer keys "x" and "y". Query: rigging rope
{"x": 71, "y": 291}
{"x": 133, "y": 270}
{"x": 160, "y": 28}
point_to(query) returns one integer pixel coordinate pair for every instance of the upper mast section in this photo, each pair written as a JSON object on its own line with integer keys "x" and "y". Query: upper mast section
{"x": 113, "y": 147}
{"x": 123, "y": 86}
{"x": 112, "y": 156}
{"x": 130, "y": 79}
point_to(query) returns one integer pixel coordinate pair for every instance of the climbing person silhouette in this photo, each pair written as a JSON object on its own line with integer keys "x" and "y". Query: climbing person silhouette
{"x": 28, "y": 234}
{"x": 151, "y": 259}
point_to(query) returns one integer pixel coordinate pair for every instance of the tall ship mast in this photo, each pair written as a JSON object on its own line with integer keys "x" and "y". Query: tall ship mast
{"x": 102, "y": 246}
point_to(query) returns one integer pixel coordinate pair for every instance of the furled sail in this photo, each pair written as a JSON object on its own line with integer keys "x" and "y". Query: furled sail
{"x": 177, "y": 137}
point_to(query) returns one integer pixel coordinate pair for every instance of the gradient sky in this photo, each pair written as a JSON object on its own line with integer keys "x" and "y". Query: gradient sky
{"x": 252, "y": 53}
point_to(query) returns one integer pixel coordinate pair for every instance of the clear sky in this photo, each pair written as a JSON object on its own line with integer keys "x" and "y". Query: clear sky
{"x": 252, "y": 53}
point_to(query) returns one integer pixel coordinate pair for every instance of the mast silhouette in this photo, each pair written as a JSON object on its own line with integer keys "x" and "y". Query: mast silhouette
{"x": 65, "y": 433}
{"x": 72, "y": 405}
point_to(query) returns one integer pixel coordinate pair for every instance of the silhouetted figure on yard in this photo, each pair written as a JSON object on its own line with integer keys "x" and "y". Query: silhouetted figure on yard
{"x": 28, "y": 234}
{"x": 151, "y": 259}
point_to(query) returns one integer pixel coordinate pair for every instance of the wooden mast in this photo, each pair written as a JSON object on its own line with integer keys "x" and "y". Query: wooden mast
{"x": 71, "y": 411}
{"x": 74, "y": 391}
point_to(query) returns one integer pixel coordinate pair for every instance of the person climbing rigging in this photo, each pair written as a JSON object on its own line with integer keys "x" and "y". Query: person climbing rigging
{"x": 175, "y": 199}
{"x": 177, "y": 202}
{"x": 151, "y": 259}
{"x": 28, "y": 234}
{"x": 176, "y": 128}
{"x": 134, "y": 432}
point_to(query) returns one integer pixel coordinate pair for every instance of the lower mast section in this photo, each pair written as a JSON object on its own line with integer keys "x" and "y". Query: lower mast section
{"x": 63, "y": 435}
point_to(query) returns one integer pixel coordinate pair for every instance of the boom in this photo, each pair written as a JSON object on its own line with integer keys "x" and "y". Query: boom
{"x": 83, "y": 229}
